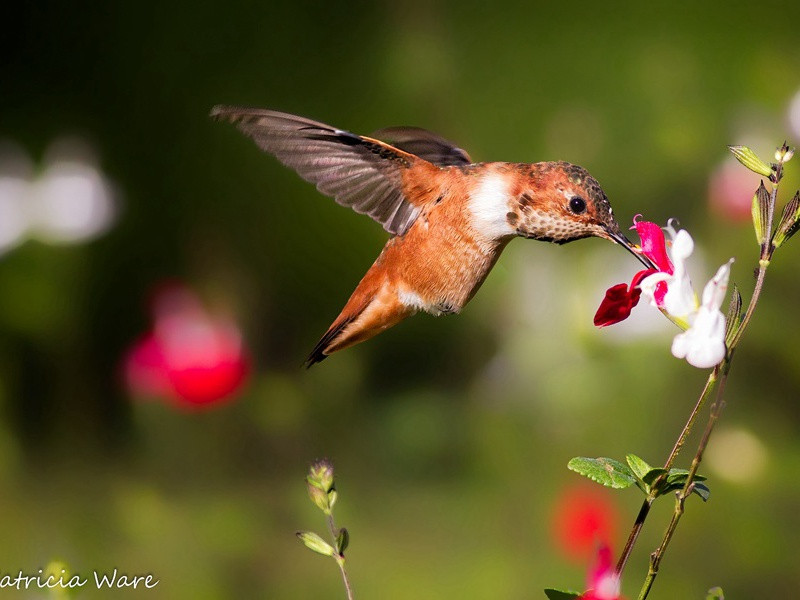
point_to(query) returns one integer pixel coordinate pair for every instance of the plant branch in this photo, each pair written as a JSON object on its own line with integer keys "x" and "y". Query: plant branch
{"x": 648, "y": 501}
{"x": 339, "y": 556}
{"x": 680, "y": 496}
{"x": 720, "y": 371}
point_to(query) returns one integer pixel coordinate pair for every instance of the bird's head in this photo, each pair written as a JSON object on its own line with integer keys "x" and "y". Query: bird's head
{"x": 564, "y": 203}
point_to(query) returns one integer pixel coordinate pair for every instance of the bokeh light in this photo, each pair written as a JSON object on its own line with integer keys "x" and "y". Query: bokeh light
{"x": 584, "y": 518}
{"x": 190, "y": 356}
{"x": 67, "y": 201}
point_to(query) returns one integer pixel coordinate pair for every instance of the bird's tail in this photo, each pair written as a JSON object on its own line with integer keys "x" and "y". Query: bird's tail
{"x": 371, "y": 309}
{"x": 322, "y": 349}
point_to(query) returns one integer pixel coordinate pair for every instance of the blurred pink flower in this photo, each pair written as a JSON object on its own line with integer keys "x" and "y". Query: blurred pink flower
{"x": 190, "y": 357}
{"x": 730, "y": 191}
{"x": 603, "y": 581}
{"x": 584, "y": 516}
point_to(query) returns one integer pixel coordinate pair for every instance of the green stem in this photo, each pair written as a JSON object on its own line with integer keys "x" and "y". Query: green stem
{"x": 339, "y": 557}
{"x": 680, "y": 497}
{"x": 648, "y": 501}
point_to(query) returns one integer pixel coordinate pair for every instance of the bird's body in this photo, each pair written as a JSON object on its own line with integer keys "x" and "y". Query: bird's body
{"x": 450, "y": 218}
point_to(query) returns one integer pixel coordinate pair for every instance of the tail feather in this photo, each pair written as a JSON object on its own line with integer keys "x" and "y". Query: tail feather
{"x": 318, "y": 353}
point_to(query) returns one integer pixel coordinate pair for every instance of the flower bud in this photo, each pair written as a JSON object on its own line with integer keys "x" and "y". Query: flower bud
{"x": 790, "y": 221}
{"x": 749, "y": 159}
{"x": 321, "y": 486}
{"x": 761, "y": 214}
{"x": 313, "y": 542}
{"x": 342, "y": 541}
{"x": 784, "y": 153}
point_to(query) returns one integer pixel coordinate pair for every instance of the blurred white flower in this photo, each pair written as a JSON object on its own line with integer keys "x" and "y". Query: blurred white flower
{"x": 69, "y": 201}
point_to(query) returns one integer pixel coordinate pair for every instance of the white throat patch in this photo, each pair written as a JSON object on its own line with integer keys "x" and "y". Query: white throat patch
{"x": 489, "y": 207}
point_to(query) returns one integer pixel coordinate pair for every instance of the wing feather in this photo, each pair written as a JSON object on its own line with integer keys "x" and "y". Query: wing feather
{"x": 425, "y": 144}
{"x": 362, "y": 173}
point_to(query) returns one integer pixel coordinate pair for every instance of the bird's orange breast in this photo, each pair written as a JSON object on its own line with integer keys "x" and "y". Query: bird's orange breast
{"x": 438, "y": 265}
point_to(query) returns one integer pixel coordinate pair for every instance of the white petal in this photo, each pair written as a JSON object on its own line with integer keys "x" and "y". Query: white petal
{"x": 682, "y": 246}
{"x": 714, "y": 292}
{"x": 648, "y": 286}
{"x": 702, "y": 345}
{"x": 680, "y": 300}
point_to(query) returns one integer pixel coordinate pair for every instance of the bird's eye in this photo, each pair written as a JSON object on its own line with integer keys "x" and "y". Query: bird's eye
{"x": 577, "y": 205}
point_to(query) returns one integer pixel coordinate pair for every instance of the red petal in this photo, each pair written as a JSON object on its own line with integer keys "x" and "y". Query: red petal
{"x": 145, "y": 368}
{"x": 617, "y": 304}
{"x": 654, "y": 246}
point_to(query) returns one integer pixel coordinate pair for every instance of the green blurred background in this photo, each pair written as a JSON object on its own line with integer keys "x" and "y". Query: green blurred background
{"x": 450, "y": 436}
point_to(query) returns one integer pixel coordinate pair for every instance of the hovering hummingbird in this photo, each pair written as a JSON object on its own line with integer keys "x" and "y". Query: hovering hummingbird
{"x": 449, "y": 218}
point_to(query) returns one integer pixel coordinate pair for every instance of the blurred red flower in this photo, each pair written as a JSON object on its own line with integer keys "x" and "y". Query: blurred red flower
{"x": 190, "y": 357}
{"x": 603, "y": 582}
{"x": 584, "y": 516}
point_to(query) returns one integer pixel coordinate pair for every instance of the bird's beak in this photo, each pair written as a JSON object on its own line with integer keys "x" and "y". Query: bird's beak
{"x": 617, "y": 236}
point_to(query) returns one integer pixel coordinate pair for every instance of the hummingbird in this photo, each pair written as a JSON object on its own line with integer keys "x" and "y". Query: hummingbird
{"x": 449, "y": 217}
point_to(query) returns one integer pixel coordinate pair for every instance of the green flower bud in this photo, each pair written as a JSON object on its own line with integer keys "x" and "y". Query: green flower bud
{"x": 342, "y": 541}
{"x": 761, "y": 214}
{"x": 321, "y": 486}
{"x": 790, "y": 221}
{"x": 313, "y": 542}
{"x": 749, "y": 159}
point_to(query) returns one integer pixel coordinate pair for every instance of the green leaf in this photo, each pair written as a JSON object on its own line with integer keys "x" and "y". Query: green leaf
{"x": 313, "y": 542}
{"x": 605, "y": 471}
{"x": 644, "y": 473}
{"x": 638, "y": 466}
{"x": 561, "y": 594}
{"x": 749, "y": 159}
{"x": 701, "y": 490}
{"x": 651, "y": 477}
{"x": 342, "y": 541}
{"x": 680, "y": 475}
{"x": 715, "y": 593}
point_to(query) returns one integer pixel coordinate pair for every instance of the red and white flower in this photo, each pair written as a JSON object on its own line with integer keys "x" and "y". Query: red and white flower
{"x": 669, "y": 288}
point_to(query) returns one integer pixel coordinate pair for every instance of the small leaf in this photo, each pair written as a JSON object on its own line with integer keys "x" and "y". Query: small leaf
{"x": 679, "y": 476}
{"x": 561, "y": 594}
{"x": 315, "y": 543}
{"x": 651, "y": 476}
{"x": 701, "y": 490}
{"x": 715, "y": 593}
{"x": 605, "y": 471}
{"x": 637, "y": 465}
{"x": 749, "y": 159}
{"x": 342, "y": 541}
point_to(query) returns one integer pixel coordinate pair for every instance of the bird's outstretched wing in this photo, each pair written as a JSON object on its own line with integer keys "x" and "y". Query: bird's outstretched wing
{"x": 425, "y": 144}
{"x": 360, "y": 172}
